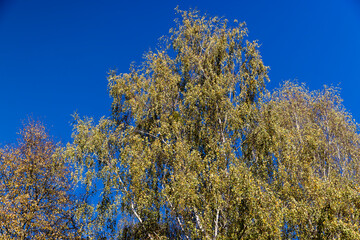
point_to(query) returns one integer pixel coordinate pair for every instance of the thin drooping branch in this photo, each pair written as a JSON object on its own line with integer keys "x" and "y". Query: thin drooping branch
{"x": 178, "y": 219}
{"x": 133, "y": 207}
{"x": 198, "y": 221}
{"x": 152, "y": 135}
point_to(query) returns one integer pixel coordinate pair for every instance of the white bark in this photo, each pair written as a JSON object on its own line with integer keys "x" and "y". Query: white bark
{"x": 216, "y": 223}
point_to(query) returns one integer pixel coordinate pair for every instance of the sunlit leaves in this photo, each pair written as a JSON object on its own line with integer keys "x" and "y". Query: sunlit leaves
{"x": 35, "y": 202}
{"x": 310, "y": 155}
{"x": 195, "y": 148}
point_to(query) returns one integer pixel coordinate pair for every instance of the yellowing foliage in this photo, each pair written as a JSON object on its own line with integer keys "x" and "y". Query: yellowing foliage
{"x": 307, "y": 147}
{"x": 34, "y": 185}
{"x": 195, "y": 148}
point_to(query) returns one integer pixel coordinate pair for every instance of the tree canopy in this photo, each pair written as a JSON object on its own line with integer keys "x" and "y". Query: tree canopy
{"x": 35, "y": 199}
{"x": 197, "y": 148}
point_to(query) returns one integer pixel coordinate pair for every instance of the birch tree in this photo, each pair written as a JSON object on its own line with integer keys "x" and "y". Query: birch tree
{"x": 196, "y": 148}
{"x": 169, "y": 158}
{"x": 307, "y": 147}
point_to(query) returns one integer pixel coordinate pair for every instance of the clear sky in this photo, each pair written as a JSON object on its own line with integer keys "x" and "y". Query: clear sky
{"x": 54, "y": 55}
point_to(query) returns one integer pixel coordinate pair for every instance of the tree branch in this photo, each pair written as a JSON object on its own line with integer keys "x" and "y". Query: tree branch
{"x": 216, "y": 223}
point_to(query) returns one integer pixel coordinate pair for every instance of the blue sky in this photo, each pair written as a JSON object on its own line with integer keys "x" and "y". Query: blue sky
{"x": 54, "y": 55}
